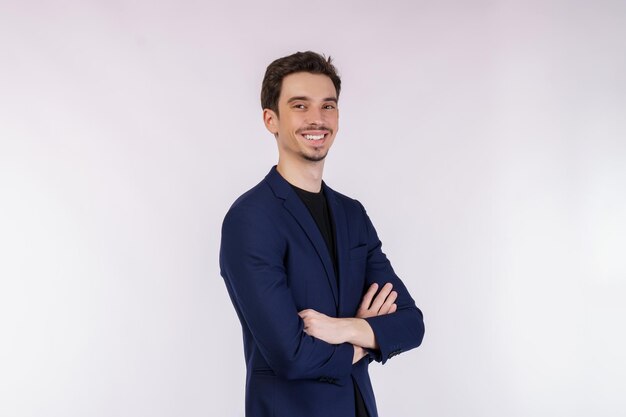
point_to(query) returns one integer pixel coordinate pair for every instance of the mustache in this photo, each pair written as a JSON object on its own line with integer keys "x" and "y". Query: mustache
{"x": 313, "y": 127}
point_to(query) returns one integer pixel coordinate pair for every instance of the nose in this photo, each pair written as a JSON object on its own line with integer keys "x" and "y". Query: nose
{"x": 315, "y": 116}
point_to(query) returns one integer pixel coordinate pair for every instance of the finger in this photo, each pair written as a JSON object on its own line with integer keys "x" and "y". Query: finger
{"x": 387, "y": 302}
{"x": 391, "y": 299}
{"x": 306, "y": 323}
{"x": 381, "y": 297}
{"x": 394, "y": 308}
{"x": 305, "y": 313}
{"x": 367, "y": 298}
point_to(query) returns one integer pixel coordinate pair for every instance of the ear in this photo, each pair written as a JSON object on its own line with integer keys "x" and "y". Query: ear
{"x": 270, "y": 118}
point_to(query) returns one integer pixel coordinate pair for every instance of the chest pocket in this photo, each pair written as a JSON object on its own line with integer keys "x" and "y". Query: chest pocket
{"x": 359, "y": 252}
{"x": 357, "y": 263}
{"x": 354, "y": 283}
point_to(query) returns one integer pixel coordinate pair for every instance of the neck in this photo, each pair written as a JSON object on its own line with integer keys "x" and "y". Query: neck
{"x": 303, "y": 174}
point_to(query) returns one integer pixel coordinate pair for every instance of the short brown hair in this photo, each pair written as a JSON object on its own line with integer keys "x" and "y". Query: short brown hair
{"x": 299, "y": 62}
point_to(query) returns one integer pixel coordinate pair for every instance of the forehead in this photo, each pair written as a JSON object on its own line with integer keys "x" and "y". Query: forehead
{"x": 305, "y": 84}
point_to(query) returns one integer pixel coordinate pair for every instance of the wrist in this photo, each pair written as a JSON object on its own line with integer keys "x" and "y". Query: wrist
{"x": 353, "y": 329}
{"x": 360, "y": 333}
{"x": 359, "y": 353}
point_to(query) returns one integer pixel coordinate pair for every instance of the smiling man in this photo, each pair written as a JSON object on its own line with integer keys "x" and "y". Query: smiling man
{"x": 317, "y": 298}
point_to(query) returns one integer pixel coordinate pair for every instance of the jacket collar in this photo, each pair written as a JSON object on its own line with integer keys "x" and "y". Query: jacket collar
{"x": 283, "y": 190}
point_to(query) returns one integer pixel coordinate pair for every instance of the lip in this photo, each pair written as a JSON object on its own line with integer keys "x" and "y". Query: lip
{"x": 315, "y": 142}
{"x": 314, "y": 132}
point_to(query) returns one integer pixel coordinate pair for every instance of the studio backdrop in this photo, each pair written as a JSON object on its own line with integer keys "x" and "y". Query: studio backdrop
{"x": 497, "y": 128}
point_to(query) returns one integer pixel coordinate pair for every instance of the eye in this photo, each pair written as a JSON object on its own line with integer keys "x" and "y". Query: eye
{"x": 329, "y": 107}
{"x": 299, "y": 106}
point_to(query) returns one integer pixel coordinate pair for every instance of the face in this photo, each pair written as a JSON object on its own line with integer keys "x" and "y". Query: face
{"x": 308, "y": 117}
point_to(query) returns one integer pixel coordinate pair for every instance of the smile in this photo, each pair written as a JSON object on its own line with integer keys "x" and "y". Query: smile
{"x": 314, "y": 137}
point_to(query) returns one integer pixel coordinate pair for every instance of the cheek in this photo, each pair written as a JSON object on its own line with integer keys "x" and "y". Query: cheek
{"x": 334, "y": 123}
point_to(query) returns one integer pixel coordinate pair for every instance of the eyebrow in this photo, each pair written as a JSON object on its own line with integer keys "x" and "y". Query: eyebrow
{"x": 304, "y": 98}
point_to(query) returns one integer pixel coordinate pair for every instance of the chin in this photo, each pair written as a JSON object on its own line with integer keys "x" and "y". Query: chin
{"x": 314, "y": 158}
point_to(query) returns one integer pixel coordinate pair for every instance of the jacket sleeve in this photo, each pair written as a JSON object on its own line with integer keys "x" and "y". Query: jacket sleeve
{"x": 403, "y": 330}
{"x": 251, "y": 263}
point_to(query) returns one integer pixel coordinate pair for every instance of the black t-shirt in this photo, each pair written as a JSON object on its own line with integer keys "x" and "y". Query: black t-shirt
{"x": 318, "y": 207}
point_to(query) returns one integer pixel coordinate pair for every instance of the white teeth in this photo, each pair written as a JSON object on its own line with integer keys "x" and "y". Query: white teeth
{"x": 313, "y": 137}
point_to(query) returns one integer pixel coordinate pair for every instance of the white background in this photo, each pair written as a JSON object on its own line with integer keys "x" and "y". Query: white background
{"x": 487, "y": 140}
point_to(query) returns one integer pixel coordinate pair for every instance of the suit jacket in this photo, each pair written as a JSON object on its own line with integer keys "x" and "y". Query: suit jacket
{"x": 275, "y": 263}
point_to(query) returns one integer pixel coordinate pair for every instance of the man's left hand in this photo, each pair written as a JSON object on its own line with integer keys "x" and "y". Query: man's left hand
{"x": 329, "y": 329}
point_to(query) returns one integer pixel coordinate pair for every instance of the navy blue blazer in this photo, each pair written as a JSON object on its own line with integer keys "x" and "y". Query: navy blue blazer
{"x": 275, "y": 263}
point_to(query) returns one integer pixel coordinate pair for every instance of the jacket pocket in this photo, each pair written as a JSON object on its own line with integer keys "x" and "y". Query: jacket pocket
{"x": 263, "y": 371}
{"x": 358, "y": 252}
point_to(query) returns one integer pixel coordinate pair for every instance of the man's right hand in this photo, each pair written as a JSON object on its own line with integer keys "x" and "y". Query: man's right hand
{"x": 359, "y": 353}
{"x": 374, "y": 305}
{"x": 383, "y": 303}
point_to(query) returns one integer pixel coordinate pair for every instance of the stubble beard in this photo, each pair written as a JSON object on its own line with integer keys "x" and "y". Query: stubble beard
{"x": 314, "y": 158}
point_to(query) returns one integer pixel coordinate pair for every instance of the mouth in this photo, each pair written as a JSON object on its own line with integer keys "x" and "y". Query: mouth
{"x": 315, "y": 137}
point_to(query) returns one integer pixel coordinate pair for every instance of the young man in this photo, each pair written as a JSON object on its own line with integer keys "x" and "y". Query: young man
{"x": 316, "y": 296}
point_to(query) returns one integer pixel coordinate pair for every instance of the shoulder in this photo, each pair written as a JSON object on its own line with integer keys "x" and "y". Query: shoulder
{"x": 351, "y": 205}
{"x": 268, "y": 194}
{"x": 253, "y": 221}
{"x": 259, "y": 195}
{"x": 256, "y": 204}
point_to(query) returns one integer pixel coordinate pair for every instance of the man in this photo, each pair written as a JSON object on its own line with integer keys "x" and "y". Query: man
{"x": 316, "y": 296}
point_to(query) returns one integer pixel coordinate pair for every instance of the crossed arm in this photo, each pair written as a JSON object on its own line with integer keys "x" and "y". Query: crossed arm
{"x": 308, "y": 344}
{"x": 354, "y": 330}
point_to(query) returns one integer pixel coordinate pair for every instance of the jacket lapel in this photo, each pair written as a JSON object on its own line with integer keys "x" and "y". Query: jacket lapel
{"x": 340, "y": 223}
{"x": 301, "y": 214}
